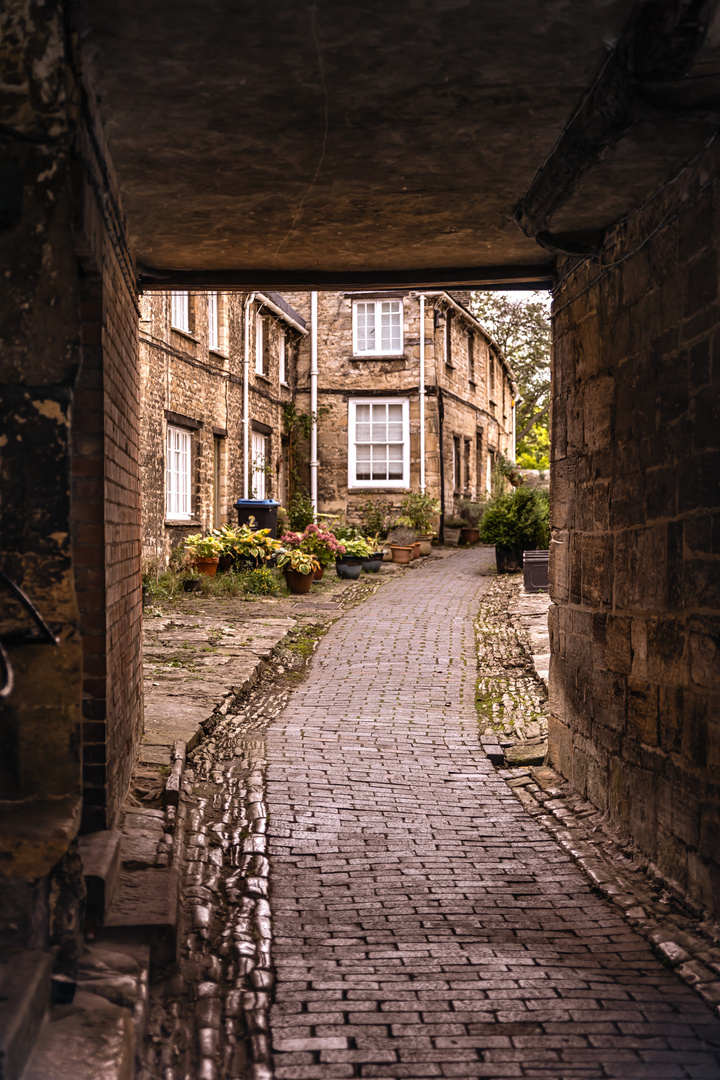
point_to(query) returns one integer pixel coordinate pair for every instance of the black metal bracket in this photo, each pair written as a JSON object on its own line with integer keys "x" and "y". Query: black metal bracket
{"x": 44, "y": 636}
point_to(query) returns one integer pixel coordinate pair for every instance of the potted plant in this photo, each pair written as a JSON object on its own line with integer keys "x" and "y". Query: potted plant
{"x": 247, "y": 544}
{"x": 350, "y": 563}
{"x": 470, "y": 512}
{"x": 192, "y": 582}
{"x": 515, "y": 523}
{"x": 372, "y": 564}
{"x": 418, "y": 511}
{"x": 319, "y": 542}
{"x": 402, "y": 542}
{"x": 205, "y": 553}
{"x": 299, "y": 568}
{"x": 452, "y": 528}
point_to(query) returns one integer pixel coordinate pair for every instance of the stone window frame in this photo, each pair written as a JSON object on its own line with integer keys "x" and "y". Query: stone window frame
{"x": 355, "y": 484}
{"x": 283, "y": 351}
{"x": 181, "y": 311}
{"x": 263, "y": 325}
{"x": 186, "y": 439}
{"x": 378, "y": 352}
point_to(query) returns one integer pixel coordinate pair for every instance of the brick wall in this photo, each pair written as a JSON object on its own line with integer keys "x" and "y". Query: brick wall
{"x": 635, "y": 566}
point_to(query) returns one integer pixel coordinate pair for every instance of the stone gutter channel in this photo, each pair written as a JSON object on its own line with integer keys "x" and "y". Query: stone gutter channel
{"x": 513, "y": 656}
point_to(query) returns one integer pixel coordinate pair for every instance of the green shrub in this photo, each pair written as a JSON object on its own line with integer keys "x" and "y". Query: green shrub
{"x": 517, "y": 520}
{"x": 300, "y": 512}
{"x": 375, "y": 518}
{"x": 260, "y": 582}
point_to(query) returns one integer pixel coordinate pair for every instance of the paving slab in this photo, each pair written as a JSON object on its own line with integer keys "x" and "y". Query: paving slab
{"x": 426, "y": 924}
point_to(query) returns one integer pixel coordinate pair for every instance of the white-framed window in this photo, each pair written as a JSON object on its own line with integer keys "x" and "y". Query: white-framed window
{"x": 213, "y": 321}
{"x": 282, "y": 358}
{"x": 180, "y": 311}
{"x": 377, "y": 327}
{"x": 259, "y": 448}
{"x": 378, "y": 442}
{"x": 447, "y": 338}
{"x": 177, "y": 474}
{"x": 262, "y": 345}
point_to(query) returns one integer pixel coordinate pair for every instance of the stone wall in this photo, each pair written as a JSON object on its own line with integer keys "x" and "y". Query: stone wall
{"x": 68, "y": 467}
{"x": 635, "y": 505}
{"x": 462, "y": 397}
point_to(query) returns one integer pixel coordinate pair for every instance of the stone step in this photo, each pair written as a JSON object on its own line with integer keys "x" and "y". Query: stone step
{"x": 91, "y": 1039}
{"x": 100, "y": 854}
{"x": 144, "y": 910}
{"x": 24, "y": 1001}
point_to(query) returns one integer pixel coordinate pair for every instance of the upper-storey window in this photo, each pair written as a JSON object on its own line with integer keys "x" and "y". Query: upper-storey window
{"x": 262, "y": 346}
{"x": 213, "y": 321}
{"x": 377, "y": 327}
{"x": 447, "y": 338}
{"x": 282, "y": 358}
{"x": 471, "y": 356}
{"x": 180, "y": 312}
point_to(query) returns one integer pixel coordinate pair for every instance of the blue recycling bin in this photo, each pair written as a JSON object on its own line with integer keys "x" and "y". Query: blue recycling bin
{"x": 263, "y": 510}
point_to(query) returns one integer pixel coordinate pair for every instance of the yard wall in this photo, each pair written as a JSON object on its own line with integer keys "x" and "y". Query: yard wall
{"x": 635, "y": 510}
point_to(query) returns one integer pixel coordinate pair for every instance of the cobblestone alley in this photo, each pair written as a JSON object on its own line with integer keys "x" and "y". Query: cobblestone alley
{"x": 425, "y": 924}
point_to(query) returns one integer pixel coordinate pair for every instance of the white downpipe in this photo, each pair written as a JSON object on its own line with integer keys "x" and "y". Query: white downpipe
{"x": 246, "y": 400}
{"x": 517, "y": 400}
{"x": 313, "y": 403}
{"x": 422, "y": 393}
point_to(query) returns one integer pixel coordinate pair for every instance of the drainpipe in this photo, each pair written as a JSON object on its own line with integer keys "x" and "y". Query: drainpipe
{"x": 441, "y": 416}
{"x": 422, "y": 394}
{"x": 313, "y": 404}
{"x": 516, "y": 401}
{"x": 246, "y": 401}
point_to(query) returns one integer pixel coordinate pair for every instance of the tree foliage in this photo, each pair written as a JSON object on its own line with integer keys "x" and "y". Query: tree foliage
{"x": 521, "y": 328}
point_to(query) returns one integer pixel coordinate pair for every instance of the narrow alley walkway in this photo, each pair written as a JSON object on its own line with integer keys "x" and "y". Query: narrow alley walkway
{"x": 425, "y": 925}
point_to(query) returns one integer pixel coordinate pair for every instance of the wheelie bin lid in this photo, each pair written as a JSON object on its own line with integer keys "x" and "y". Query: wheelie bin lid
{"x": 257, "y": 502}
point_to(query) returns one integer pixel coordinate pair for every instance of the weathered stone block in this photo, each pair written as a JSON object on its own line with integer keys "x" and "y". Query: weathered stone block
{"x": 642, "y": 710}
{"x": 560, "y": 746}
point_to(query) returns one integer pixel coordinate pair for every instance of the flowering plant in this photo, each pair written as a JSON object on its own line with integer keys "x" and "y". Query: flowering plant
{"x": 324, "y": 545}
{"x": 321, "y": 543}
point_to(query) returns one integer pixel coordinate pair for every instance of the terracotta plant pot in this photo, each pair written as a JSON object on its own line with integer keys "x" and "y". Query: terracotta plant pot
{"x": 425, "y": 540}
{"x": 298, "y": 583}
{"x": 401, "y": 554}
{"x": 469, "y": 536}
{"x": 416, "y": 550}
{"x": 206, "y": 564}
{"x": 318, "y": 575}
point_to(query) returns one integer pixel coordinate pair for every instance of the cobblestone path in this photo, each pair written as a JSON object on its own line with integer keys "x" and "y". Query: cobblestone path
{"x": 425, "y": 925}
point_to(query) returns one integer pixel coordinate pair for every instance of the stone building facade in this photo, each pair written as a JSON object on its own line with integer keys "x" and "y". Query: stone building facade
{"x": 193, "y": 409}
{"x": 369, "y": 374}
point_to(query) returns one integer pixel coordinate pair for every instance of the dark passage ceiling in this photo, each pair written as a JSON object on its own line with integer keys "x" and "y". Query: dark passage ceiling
{"x": 333, "y": 138}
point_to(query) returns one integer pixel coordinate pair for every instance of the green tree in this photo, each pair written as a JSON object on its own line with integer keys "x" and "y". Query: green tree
{"x": 521, "y": 328}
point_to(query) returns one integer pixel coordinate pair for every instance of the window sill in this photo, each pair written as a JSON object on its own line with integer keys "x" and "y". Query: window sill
{"x": 181, "y": 523}
{"x": 285, "y": 384}
{"x": 378, "y": 356}
{"x": 261, "y": 375}
{"x": 218, "y": 352}
{"x": 185, "y": 334}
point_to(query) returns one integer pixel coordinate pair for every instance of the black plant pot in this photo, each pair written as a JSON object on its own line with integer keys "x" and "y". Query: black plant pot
{"x": 508, "y": 559}
{"x": 192, "y": 585}
{"x": 348, "y": 567}
{"x": 373, "y": 564}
